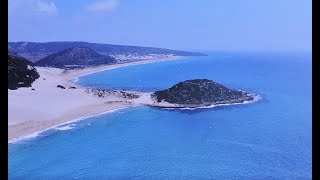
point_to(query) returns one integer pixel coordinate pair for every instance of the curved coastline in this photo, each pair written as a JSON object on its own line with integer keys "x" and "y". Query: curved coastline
{"x": 70, "y": 77}
{"x": 29, "y": 129}
{"x": 74, "y": 75}
{"x": 37, "y": 133}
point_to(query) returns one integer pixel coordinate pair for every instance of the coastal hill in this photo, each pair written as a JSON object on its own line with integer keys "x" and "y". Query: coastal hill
{"x": 21, "y": 72}
{"x": 35, "y": 51}
{"x": 75, "y": 57}
{"x": 199, "y": 92}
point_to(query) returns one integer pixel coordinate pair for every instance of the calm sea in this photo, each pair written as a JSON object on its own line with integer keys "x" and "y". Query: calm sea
{"x": 269, "y": 139}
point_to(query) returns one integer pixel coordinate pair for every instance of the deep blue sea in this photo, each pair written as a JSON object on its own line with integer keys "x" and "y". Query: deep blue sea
{"x": 268, "y": 139}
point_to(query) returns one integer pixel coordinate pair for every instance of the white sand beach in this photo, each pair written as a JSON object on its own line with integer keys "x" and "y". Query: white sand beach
{"x": 31, "y": 111}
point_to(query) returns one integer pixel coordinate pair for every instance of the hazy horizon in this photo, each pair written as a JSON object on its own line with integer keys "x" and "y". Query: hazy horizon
{"x": 246, "y": 26}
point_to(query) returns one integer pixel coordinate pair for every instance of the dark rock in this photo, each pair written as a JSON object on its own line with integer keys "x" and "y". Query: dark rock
{"x": 72, "y": 87}
{"x": 201, "y": 92}
{"x": 62, "y": 87}
{"x": 33, "y": 89}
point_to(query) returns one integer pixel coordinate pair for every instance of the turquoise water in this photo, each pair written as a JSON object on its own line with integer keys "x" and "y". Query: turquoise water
{"x": 269, "y": 139}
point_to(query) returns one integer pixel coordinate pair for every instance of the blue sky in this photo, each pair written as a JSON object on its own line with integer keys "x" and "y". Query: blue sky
{"x": 221, "y": 25}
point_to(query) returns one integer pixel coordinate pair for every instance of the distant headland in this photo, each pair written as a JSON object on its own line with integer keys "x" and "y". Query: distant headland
{"x": 35, "y": 51}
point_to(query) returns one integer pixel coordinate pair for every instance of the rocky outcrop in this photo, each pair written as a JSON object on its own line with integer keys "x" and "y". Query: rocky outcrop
{"x": 200, "y": 92}
{"x": 103, "y": 93}
{"x": 60, "y": 86}
{"x": 21, "y": 72}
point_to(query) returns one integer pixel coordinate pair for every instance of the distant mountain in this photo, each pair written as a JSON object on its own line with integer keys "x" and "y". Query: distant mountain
{"x": 75, "y": 57}
{"x": 21, "y": 72}
{"x": 35, "y": 51}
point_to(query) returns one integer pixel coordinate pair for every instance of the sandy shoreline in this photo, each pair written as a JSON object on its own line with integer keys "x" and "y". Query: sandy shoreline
{"x": 47, "y": 106}
{"x": 82, "y": 72}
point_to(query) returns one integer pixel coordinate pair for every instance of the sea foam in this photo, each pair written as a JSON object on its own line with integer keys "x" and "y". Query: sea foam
{"x": 68, "y": 127}
{"x": 58, "y": 127}
{"x": 255, "y": 98}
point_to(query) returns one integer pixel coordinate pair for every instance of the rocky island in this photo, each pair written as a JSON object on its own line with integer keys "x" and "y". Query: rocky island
{"x": 198, "y": 93}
